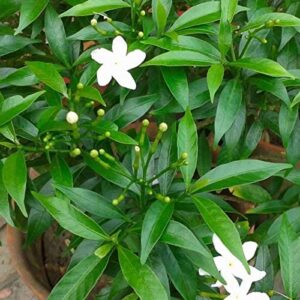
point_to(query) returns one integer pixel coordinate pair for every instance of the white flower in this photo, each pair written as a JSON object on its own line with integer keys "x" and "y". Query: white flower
{"x": 117, "y": 63}
{"x": 241, "y": 291}
{"x": 228, "y": 263}
{"x": 72, "y": 117}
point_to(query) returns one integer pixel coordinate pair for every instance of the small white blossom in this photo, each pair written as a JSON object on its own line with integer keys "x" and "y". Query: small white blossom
{"x": 72, "y": 117}
{"x": 117, "y": 63}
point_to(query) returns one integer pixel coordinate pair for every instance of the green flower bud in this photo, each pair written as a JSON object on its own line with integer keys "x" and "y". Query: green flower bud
{"x": 94, "y": 22}
{"x": 94, "y": 153}
{"x": 142, "y": 13}
{"x": 80, "y": 86}
{"x": 141, "y": 34}
{"x": 100, "y": 112}
{"x": 163, "y": 127}
{"x": 107, "y": 134}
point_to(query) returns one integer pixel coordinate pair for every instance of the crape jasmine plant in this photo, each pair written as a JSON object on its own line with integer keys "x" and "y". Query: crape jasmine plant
{"x": 136, "y": 125}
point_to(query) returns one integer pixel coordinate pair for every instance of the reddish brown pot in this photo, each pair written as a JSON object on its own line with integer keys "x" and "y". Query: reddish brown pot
{"x": 28, "y": 263}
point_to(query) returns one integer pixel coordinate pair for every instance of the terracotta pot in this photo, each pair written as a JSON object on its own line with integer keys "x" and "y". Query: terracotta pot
{"x": 28, "y": 263}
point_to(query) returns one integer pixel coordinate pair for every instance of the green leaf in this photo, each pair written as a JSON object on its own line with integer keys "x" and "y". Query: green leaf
{"x": 15, "y": 168}
{"x": 287, "y": 121}
{"x": 140, "y": 277}
{"x": 30, "y": 11}
{"x": 296, "y": 100}
{"x": 181, "y": 43}
{"x": 78, "y": 282}
{"x": 179, "y": 235}
{"x": 221, "y": 225}
{"x": 203, "y": 13}
{"x": 60, "y": 172}
{"x": 56, "y": 36}
{"x": 263, "y": 66}
{"x": 181, "y": 59}
{"x": 10, "y": 43}
{"x": 282, "y": 20}
{"x": 9, "y": 7}
{"x": 273, "y": 86}
{"x": 289, "y": 245}
{"x": 92, "y": 7}
{"x": 214, "y": 79}
{"x": 48, "y": 74}
{"x": 271, "y": 207}
{"x": 155, "y": 222}
{"x": 160, "y": 12}
{"x": 20, "y": 77}
{"x": 96, "y": 204}
{"x": 187, "y": 142}
{"x": 204, "y": 161}
{"x": 177, "y": 82}
{"x": 252, "y": 193}
{"x": 236, "y": 173}
{"x": 181, "y": 273}
{"x": 4, "y": 202}
{"x": 92, "y": 93}
{"x": 292, "y": 149}
{"x": 228, "y": 9}
{"x": 228, "y": 107}
{"x": 71, "y": 218}
{"x": 122, "y": 138}
{"x": 13, "y": 106}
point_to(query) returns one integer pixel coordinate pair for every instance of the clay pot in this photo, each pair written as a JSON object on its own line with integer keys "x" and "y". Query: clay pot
{"x": 28, "y": 263}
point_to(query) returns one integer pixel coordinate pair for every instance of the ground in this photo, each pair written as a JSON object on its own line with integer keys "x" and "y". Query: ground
{"x": 11, "y": 286}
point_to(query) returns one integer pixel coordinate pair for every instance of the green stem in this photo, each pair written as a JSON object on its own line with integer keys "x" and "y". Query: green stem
{"x": 212, "y": 295}
{"x": 162, "y": 172}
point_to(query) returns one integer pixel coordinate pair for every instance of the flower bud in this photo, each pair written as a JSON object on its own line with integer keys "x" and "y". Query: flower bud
{"x": 145, "y": 122}
{"x": 163, "y": 127}
{"x": 80, "y": 86}
{"x": 94, "y": 153}
{"x": 72, "y": 117}
{"x": 75, "y": 152}
{"x": 115, "y": 202}
{"x": 94, "y": 22}
{"x": 142, "y": 13}
{"x": 102, "y": 151}
{"x": 137, "y": 149}
{"x": 141, "y": 34}
{"x": 107, "y": 134}
{"x": 167, "y": 199}
{"x": 100, "y": 112}
{"x": 184, "y": 155}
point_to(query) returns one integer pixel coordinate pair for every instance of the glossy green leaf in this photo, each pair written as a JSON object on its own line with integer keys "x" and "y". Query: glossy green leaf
{"x": 187, "y": 142}
{"x": 78, "y": 282}
{"x": 287, "y": 121}
{"x": 10, "y": 43}
{"x": 236, "y": 173}
{"x": 228, "y": 9}
{"x": 140, "y": 277}
{"x": 292, "y": 149}
{"x": 60, "y": 172}
{"x": 20, "y": 77}
{"x": 30, "y": 10}
{"x": 4, "y": 202}
{"x": 155, "y": 222}
{"x": 289, "y": 245}
{"x": 228, "y": 107}
{"x": 48, "y": 74}
{"x": 221, "y": 225}
{"x": 214, "y": 79}
{"x": 296, "y": 100}
{"x": 15, "y": 178}
{"x": 252, "y": 193}
{"x": 71, "y": 218}
{"x": 273, "y": 86}
{"x": 92, "y": 7}
{"x": 203, "y": 13}
{"x": 9, "y": 7}
{"x": 92, "y": 93}
{"x": 182, "y": 43}
{"x": 179, "y": 235}
{"x": 56, "y": 37}
{"x": 177, "y": 82}
{"x": 13, "y": 106}
{"x": 160, "y": 12}
{"x": 270, "y": 207}
{"x": 181, "y": 59}
{"x": 282, "y": 20}
{"x": 204, "y": 161}
{"x": 263, "y": 66}
{"x": 96, "y": 204}
{"x": 122, "y": 138}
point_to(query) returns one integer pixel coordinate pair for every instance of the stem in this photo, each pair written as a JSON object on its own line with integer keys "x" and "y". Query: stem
{"x": 161, "y": 173}
{"x": 212, "y": 295}
{"x": 282, "y": 295}
{"x": 250, "y": 38}
{"x": 233, "y": 53}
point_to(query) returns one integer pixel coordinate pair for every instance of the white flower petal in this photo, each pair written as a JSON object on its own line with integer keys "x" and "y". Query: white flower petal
{"x": 232, "y": 285}
{"x": 102, "y": 56}
{"x": 218, "y": 284}
{"x": 124, "y": 78}
{"x": 249, "y": 249}
{"x": 221, "y": 263}
{"x": 256, "y": 275}
{"x": 119, "y": 47}
{"x": 134, "y": 59}
{"x": 257, "y": 296}
{"x": 221, "y": 248}
{"x": 202, "y": 272}
{"x": 104, "y": 75}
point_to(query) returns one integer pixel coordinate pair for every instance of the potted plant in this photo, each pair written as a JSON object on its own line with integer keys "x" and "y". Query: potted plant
{"x": 128, "y": 147}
